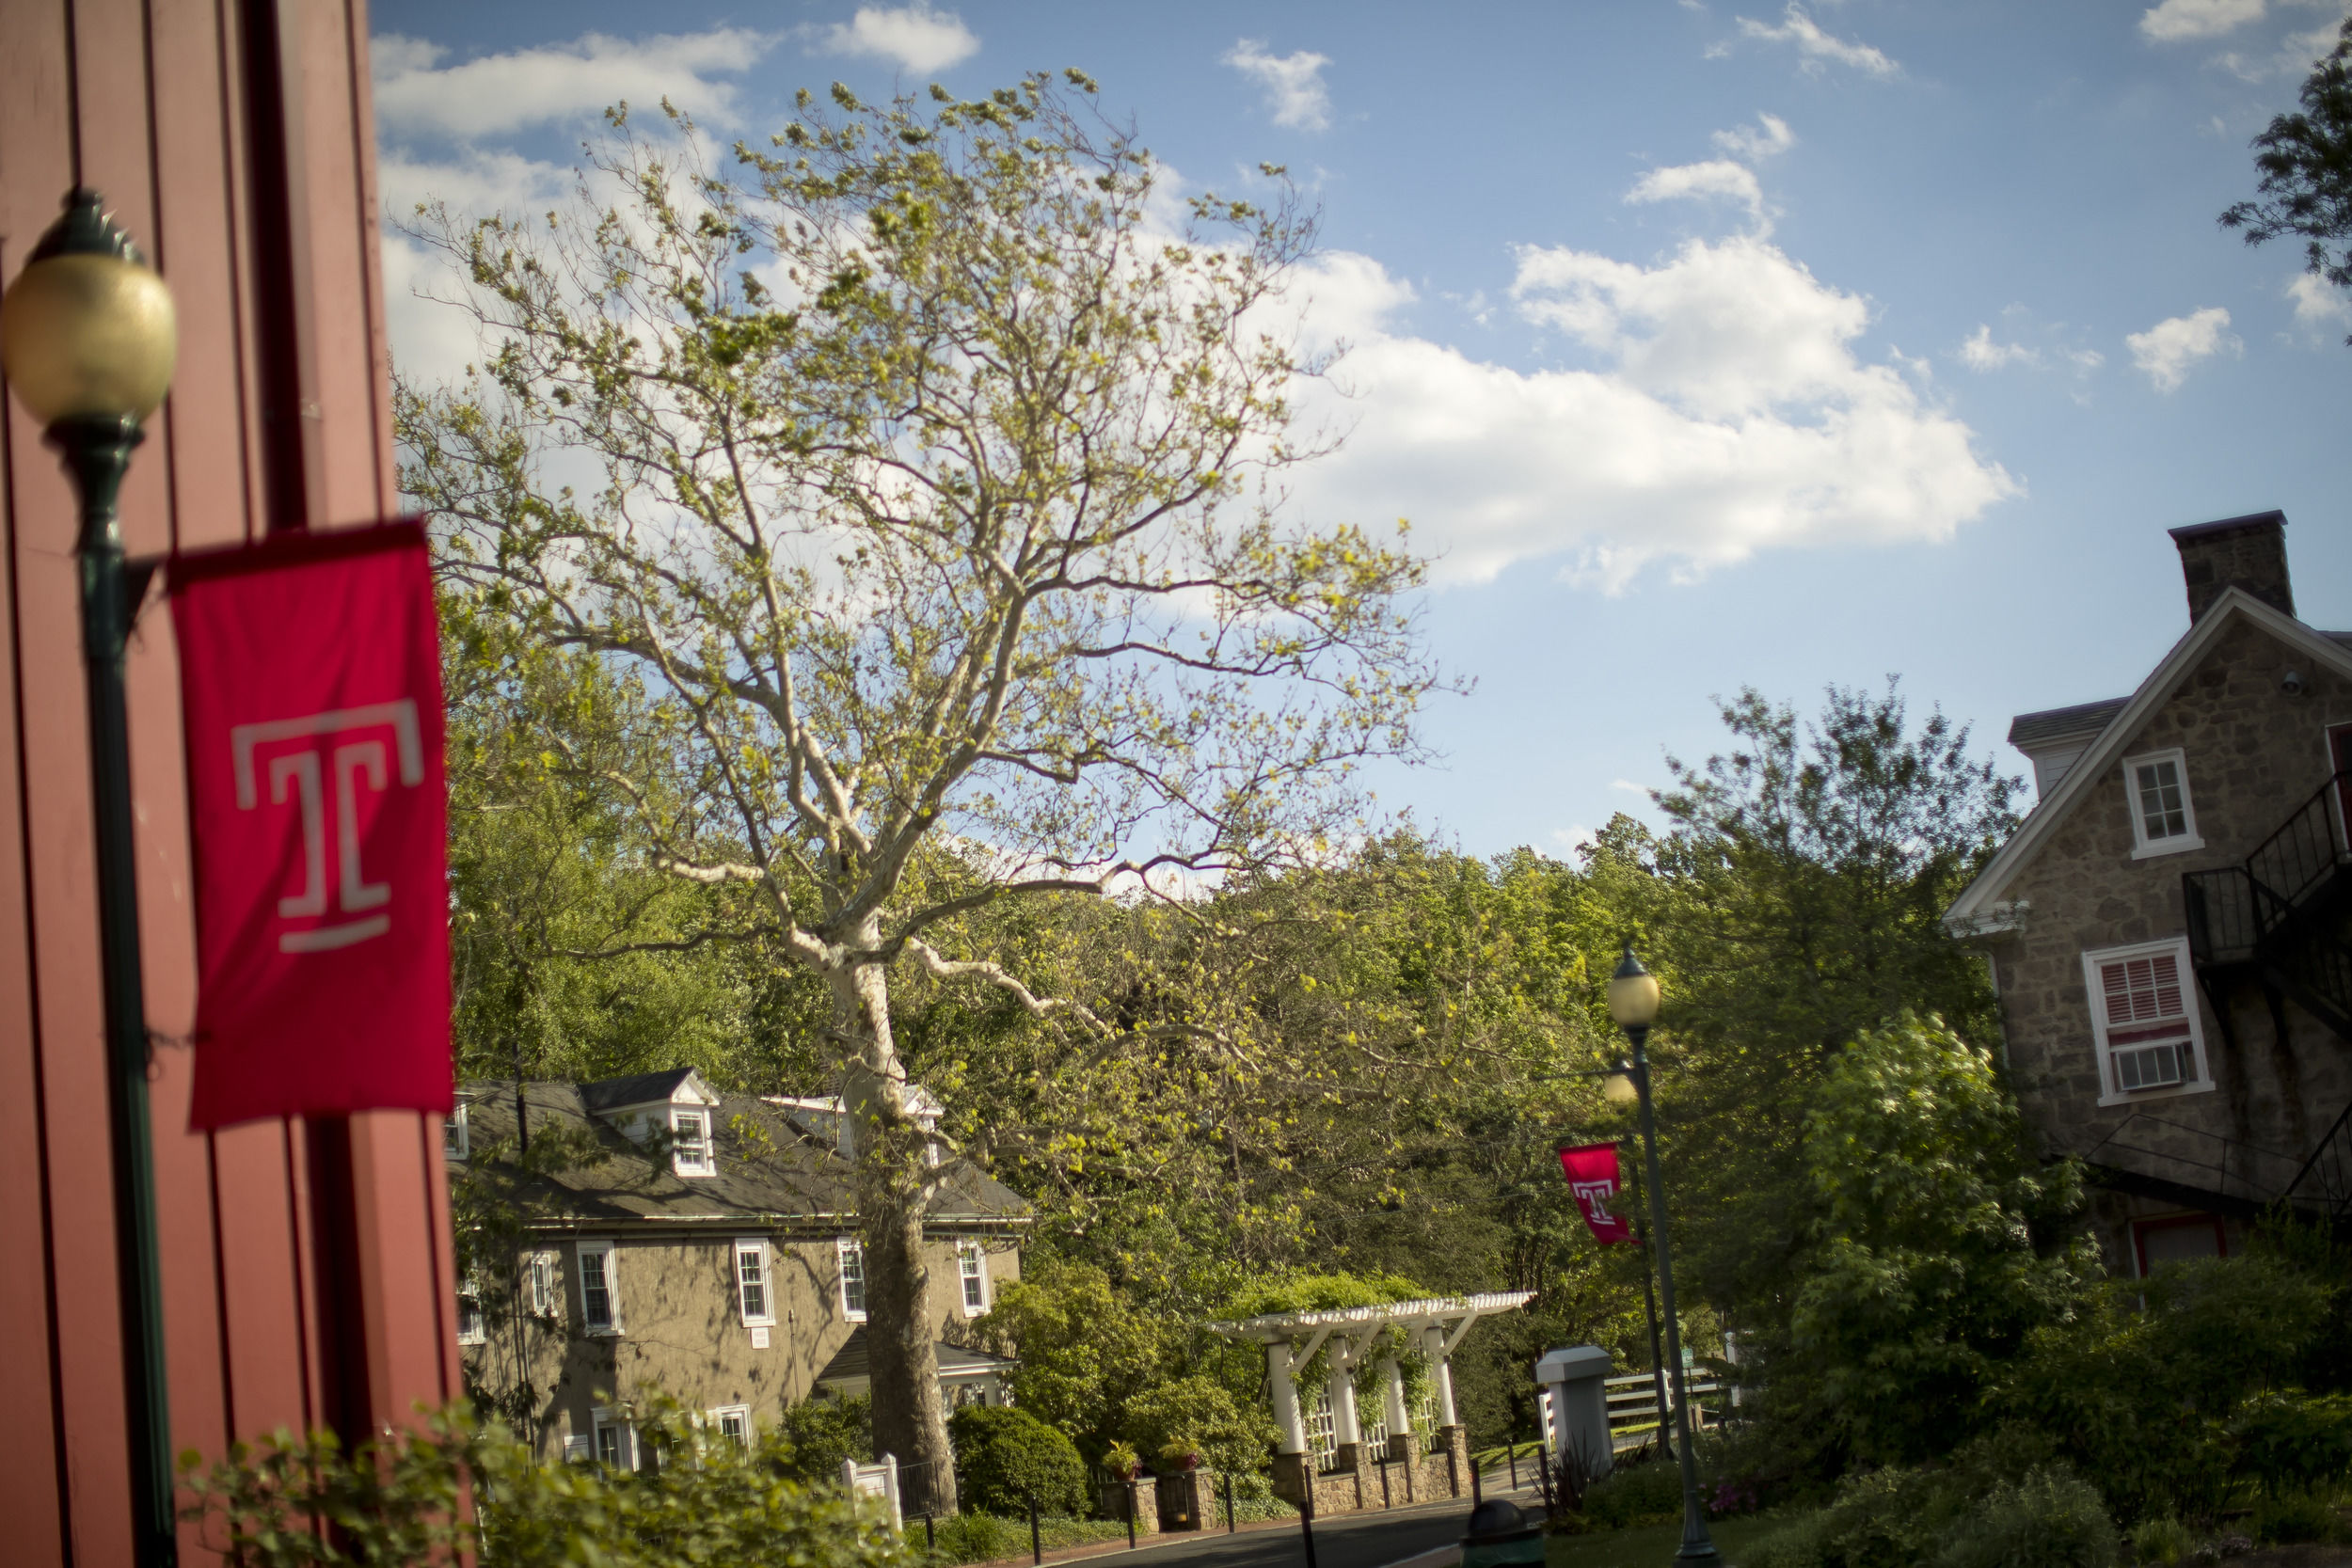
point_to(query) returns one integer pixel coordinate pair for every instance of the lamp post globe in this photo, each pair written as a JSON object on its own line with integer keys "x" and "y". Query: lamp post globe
{"x": 87, "y": 330}
{"x": 87, "y": 339}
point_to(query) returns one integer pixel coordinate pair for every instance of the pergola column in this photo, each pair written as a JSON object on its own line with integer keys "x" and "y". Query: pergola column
{"x": 1433, "y": 1340}
{"x": 1341, "y": 1384}
{"x": 1286, "y": 1417}
{"x": 1400, "y": 1420}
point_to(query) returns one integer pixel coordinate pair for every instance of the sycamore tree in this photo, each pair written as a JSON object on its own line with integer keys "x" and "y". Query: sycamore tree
{"x": 929, "y": 465}
{"x": 2306, "y": 164}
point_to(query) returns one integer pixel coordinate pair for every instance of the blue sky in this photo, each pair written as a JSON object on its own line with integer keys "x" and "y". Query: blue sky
{"x": 1711, "y": 344}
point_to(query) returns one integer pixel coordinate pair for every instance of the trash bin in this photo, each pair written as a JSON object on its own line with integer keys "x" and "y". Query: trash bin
{"x": 1501, "y": 1536}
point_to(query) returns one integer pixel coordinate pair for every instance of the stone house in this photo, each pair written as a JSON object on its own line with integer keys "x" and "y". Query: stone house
{"x": 703, "y": 1246}
{"x": 2168, "y": 928}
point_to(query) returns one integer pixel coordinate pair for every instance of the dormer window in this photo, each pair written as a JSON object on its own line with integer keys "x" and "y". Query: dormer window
{"x": 689, "y": 1143}
{"x": 456, "y": 1138}
{"x": 2164, "y": 820}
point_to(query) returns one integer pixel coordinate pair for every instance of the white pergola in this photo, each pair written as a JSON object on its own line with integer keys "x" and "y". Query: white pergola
{"x": 1292, "y": 1338}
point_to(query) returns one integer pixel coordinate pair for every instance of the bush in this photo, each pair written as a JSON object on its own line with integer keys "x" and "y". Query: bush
{"x": 812, "y": 1437}
{"x": 2052, "y": 1519}
{"x": 2162, "y": 1541}
{"x": 1640, "y": 1492}
{"x": 984, "y": 1538}
{"x": 1192, "y": 1414}
{"x": 2293, "y": 1442}
{"x": 1006, "y": 1456}
{"x": 2294, "y": 1517}
{"x": 397, "y": 1501}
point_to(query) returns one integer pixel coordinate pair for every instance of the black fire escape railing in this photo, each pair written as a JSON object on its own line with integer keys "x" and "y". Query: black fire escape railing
{"x": 2280, "y": 914}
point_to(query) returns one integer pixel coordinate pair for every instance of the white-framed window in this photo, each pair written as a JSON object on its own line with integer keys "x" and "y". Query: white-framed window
{"x": 457, "y": 1137}
{"x": 2164, "y": 819}
{"x": 732, "y": 1423}
{"x": 689, "y": 1143}
{"x": 599, "y": 1293}
{"x": 852, "y": 1278}
{"x": 543, "y": 1285}
{"x": 473, "y": 1327}
{"x": 615, "y": 1440}
{"x": 2144, "y": 1015}
{"x": 972, "y": 1275}
{"x": 754, "y": 1290}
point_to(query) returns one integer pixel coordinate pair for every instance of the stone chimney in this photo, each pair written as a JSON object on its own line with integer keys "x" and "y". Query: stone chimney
{"x": 2249, "y": 552}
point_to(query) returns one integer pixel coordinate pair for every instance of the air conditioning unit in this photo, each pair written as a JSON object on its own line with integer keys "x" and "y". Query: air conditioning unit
{"x": 2150, "y": 1066}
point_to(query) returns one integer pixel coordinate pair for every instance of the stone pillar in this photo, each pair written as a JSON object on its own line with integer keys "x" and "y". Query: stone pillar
{"x": 1139, "y": 1494}
{"x": 1186, "y": 1500}
{"x": 1577, "y": 1433}
{"x": 1455, "y": 1440}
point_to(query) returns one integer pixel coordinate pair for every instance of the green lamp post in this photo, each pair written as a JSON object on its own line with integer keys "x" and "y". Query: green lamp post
{"x": 87, "y": 341}
{"x": 1633, "y": 1003}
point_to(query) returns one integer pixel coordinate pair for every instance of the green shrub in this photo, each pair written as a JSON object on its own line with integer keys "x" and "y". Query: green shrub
{"x": 811, "y": 1439}
{"x": 2162, "y": 1541}
{"x": 1193, "y": 1414}
{"x": 1646, "y": 1489}
{"x": 396, "y": 1502}
{"x": 2291, "y": 1442}
{"x": 1006, "y": 1456}
{"x": 2295, "y": 1516}
{"x": 1887, "y": 1519}
{"x": 985, "y": 1538}
{"x": 2051, "y": 1519}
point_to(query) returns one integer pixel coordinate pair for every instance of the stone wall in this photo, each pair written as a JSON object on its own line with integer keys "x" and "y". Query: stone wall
{"x": 2253, "y": 754}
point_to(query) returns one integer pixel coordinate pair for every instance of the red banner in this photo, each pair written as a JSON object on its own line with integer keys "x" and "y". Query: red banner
{"x": 1592, "y": 1173}
{"x": 311, "y": 686}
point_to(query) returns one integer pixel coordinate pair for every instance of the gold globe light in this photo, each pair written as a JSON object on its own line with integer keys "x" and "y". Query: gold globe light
{"x": 87, "y": 330}
{"x": 1619, "y": 1089}
{"x": 1633, "y": 994}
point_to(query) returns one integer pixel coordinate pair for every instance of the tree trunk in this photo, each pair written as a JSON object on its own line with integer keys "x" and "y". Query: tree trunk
{"x": 893, "y": 1178}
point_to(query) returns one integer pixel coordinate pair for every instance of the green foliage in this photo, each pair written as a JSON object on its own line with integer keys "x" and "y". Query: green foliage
{"x": 2294, "y": 1442}
{"x": 2306, "y": 164}
{"x": 291, "y": 1503}
{"x": 2051, "y": 1519}
{"x": 1084, "y": 1348}
{"x": 985, "y": 1538}
{"x": 811, "y": 1439}
{"x": 1193, "y": 1415}
{"x": 1899, "y": 1518}
{"x": 2290, "y": 1518}
{"x": 2143, "y": 1388}
{"x": 1005, "y": 1457}
{"x": 1935, "y": 1248}
{"x": 1644, "y": 1491}
{"x": 2161, "y": 1540}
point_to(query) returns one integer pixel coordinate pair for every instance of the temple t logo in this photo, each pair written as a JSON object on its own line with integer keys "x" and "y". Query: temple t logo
{"x": 337, "y": 757}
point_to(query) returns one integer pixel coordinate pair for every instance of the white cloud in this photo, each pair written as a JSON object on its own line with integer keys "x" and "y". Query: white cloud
{"x": 1727, "y": 413}
{"x": 1717, "y": 177}
{"x": 1981, "y": 352}
{"x": 1294, "y": 87}
{"x": 1755, "y": 146}
{"x": 2176, "y": 19}
{"x": 497, "y": 93}
{"x": 913, "y": 38}
{"x": 1818, "y": 48}
{"x": 1629, "y": 787}
{"x": 2318, "y": 303}
{"x": 2167, "y": 350}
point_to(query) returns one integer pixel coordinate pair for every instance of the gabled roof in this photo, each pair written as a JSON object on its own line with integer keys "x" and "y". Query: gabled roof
{"x": 850, "y": 1361}
{"x": 772, "y": 1174}
{"x": 2029, "y": 731}
{"x": 2333, "y": 650}
{"x": 644, "y": 1088}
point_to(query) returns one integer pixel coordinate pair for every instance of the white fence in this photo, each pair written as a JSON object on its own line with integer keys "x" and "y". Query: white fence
{"x": 1633, "y": 1416}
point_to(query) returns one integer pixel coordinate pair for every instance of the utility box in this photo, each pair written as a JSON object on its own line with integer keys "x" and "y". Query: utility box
{"x": 1576, "y": 1433}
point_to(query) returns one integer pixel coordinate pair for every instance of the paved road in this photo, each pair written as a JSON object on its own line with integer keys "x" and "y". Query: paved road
{"x": 1370, "y": 1540}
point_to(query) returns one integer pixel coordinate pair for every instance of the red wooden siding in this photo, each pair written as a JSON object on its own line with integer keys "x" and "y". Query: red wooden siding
{"x": 233, "y": 140}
